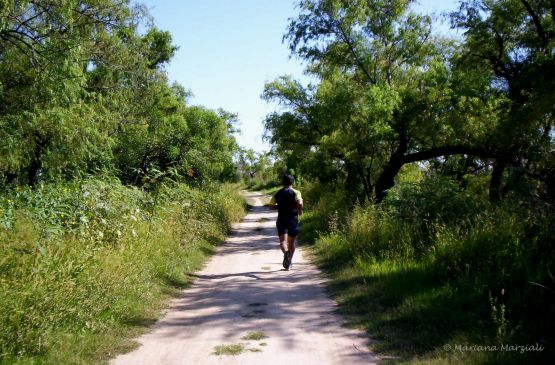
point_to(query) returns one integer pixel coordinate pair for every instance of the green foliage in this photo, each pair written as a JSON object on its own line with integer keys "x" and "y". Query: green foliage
{"x": 388, "y": 93}
{"x": 431, "y": 200}
{"x": 511, "y": 43}
{"x": 260, "y": 171}
{"x": 193, "y": 144}
{"x": 435, "y": 200}
{"x": 83, "y": 91}
{"x": 231, "y": 350}
{"x": 384, "y": 91}
{"x": 254, "y": 336}
{"x": 459, "y": 269}
{"x": 86, "y": 108}
{"x": 57, "y": 142}
{"x": 91, "y": 256}
{"x": 160, "y": 49}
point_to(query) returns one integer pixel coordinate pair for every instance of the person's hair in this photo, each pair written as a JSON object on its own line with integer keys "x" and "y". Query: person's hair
{"x": 287, "y": 180}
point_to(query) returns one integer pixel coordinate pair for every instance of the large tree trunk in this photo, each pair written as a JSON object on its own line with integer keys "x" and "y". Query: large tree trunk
{"x": 496, "y": 180}
{"x": 399, "y": 158}
{"x": 36, "y": 165}
{"x": 387, "y": 178}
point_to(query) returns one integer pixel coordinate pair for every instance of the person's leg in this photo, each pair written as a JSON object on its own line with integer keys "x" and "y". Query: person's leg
{"x": 283, "y": 242}
{"x": 293, "y": 231}
{"x": 291, "y": 246}
{"x": 282, "y": 234}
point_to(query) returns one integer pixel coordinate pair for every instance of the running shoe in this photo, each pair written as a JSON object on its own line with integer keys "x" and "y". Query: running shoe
{"x": 286, "y": 262}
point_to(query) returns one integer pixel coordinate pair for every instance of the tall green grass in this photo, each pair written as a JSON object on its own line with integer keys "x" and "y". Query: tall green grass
{"x": 84, "y": 264}
{"x": 433, "y": 267}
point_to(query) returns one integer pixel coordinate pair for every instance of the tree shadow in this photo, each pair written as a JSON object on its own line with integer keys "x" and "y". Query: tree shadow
{"x": 416, "y": 314}
{"x": 237, "y": 301}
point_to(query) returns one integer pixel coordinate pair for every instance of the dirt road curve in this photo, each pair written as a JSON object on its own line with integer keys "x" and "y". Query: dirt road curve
{"x": 244, "y": 289}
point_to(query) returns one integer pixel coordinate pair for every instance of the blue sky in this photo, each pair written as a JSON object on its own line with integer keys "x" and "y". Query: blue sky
{"x": 228, "y": 49}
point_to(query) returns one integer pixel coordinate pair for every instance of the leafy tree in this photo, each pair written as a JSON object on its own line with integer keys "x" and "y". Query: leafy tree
{"x": 160, "y": 49}
{"x": 390, "y": 94}
{"x": 52, "y": 127}
{"x": 512, "y": 42}
{"x": 384, "y": 82}
{"x": 257, "y": 167}
{"x": 84, "y": 91}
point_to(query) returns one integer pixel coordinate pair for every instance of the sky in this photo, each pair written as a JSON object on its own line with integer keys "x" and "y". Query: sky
{"x": 228, "y": 49}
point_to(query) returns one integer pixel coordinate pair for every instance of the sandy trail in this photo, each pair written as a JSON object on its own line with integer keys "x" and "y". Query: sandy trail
{"x": 243, "y": 289}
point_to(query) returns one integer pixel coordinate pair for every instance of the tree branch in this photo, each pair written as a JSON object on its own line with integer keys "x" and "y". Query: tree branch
{"x": 537, "y": 22}
{"x": 352, "y": 50}
{"x": 298, "y": 141}
{"x": 452, "y": 150}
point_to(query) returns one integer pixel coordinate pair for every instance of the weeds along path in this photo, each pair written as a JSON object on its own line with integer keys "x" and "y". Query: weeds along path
{"x": 243, "y": 308}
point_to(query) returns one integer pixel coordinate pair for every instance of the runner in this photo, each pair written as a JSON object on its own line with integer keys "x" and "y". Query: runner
{"x": 289, "y": 204}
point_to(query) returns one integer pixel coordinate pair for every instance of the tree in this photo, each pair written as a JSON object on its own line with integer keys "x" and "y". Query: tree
{"x": 387, "y": 96}
{"x": 84, "y": 91}
{"x": 50, "y": 125}
{"x": 390, "y": 94}
{"x": 512, "y": 43}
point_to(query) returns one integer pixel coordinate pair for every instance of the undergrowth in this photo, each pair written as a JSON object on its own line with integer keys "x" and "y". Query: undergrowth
{"x": 431, "y": 271}
{"x": 85, "y": 265}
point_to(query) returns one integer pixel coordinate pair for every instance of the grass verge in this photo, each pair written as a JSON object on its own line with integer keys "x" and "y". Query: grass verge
{"x": 414, "y": 319}
{"x": 85, "y": 267}
{"x": 441, "y": 291}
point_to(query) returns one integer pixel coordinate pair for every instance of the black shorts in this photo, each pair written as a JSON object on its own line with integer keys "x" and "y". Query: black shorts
{"x": 289, "y": 226}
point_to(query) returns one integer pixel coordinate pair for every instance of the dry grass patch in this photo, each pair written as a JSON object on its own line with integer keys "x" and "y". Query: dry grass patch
{"x": 231, "y": 350}
{"x": 255, "y": 336}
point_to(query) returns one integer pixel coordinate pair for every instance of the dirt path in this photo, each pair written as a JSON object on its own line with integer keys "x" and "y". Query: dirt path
{"x": 244, "y": 289}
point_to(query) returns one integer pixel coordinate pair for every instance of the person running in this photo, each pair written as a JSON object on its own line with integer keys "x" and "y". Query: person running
{"x": 289, "y": 205}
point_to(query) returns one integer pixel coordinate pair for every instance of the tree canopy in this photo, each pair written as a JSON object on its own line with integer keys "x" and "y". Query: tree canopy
{"x": 389, "y": 92}
{"x": 84, "y": 91}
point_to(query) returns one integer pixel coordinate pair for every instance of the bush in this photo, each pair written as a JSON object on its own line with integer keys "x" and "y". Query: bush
{"x": 506, "y": 257}
{"x": 93, "y": 255}
{"x": 377, "y": 234}
{"x": 489, "y": 266}
{"x": 325, "y": 210}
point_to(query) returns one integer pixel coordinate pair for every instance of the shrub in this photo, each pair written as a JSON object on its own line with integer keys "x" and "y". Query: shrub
{"x": 325, "y": 210}
{"x": 503, "y": 256}
{"x": 91, "y": 255}
{"x": 376, "y": 233}
{"x": 496, "y": 259}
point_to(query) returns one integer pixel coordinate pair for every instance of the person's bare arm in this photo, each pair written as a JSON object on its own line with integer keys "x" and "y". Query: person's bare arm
{"x": 300, "y": 206}
{"x": 272, "y": 204}
{"x": 299, "y": 202}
